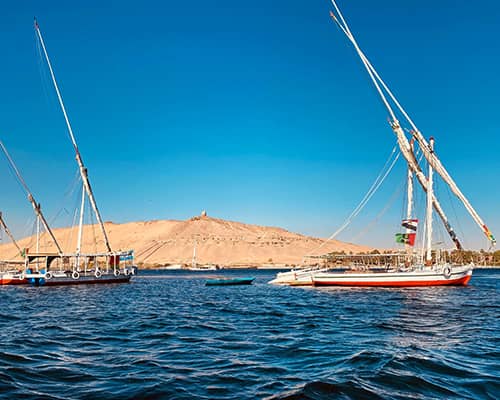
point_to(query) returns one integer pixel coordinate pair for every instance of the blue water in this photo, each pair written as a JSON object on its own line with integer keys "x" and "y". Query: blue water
{"x": 166, "y": 335}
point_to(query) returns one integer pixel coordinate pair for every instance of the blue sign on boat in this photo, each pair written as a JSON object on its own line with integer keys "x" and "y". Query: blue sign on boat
{"x": 229, "y": 281}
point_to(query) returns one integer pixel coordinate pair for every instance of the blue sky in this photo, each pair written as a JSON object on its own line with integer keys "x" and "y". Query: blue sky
{"x": 258, "y": 111}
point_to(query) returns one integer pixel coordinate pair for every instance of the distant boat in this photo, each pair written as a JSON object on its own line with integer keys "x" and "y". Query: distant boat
{"x": 172, "y": 267}
{"x": 200, "y": 267}
{"x": 203, "y": 267}
{"x": 229, "y": 281}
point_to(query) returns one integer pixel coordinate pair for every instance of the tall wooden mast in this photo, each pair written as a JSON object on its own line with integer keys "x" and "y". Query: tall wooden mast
{"x": 79, "y": 160}
{"x": 409, "y": 204}
{"x": 428, "y": 216}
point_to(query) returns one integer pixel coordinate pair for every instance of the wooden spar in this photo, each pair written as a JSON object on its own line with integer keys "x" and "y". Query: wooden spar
{"x": 36, "y": 206}
{"x": 424, "y": 145}
{"x": 409, "y": 204}
{"x": 7, "y": 231}
{"x": 79, "y": 160}
{"x": 80, "y": 224}
{"x": 193, "y": 263}
{"x": 403, "y": 142}
{"x": 428, "y": 217}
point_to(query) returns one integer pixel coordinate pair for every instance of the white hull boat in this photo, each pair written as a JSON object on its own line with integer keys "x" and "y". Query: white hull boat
{"x": 296, "y": 277}
{"x": 445, "y": 275}
{"x": 428, "y": 266}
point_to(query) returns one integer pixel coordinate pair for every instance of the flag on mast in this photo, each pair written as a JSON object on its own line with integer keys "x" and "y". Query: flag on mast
{"x": 406, "y": 238}
{"x": 410, "y": 224}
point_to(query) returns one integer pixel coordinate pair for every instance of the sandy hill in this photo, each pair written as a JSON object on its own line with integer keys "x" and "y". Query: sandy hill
{"x": 170, "y": 242}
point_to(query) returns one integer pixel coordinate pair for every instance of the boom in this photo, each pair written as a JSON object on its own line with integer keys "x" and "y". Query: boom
{"x": 8, "y": 232}
{"x": 36, "y": 206}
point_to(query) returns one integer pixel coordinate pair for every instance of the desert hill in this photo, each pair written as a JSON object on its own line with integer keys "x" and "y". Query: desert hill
{"x": 217, "y": 241}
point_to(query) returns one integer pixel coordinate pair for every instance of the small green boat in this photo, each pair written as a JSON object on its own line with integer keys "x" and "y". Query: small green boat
{"x": 229, "y": 281}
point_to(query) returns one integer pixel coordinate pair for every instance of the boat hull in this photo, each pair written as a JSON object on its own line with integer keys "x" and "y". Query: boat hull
{"x": 12, "y": 280}
{"x": 229, "y": 282}
{"x": 82, "y": 280}
{"x": 453, "y": 277}
{"x": 295, "y": 277}
{"x": 202, "y": 268}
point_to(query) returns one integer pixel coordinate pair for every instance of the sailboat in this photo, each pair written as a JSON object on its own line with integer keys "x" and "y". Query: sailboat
{"x": 11, "y": 271}
{"x": 61, "y": 268}
{"x": 200, "y": 267}
{"x": 410, "y": 268}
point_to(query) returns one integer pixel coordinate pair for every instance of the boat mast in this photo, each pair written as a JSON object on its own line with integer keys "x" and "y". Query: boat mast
{"x": 409, "y": 206}
{"x": 80, "y": 224}
{"x": 37, "y": 234}
{"x": 403, "y": 142}
{"x": 36, "y": 206}
{"x": 193, "y": 262}
{"x": 37, "y": 241}
{"x": 83, "y": 170}
{"x": 428, "y": 219}
{"x": 428, "y": 154}
{"x": 7, "y": 231}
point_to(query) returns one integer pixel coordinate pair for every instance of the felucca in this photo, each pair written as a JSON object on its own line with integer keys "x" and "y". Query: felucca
{"x": 410, "y": 268}
{"x": 62, "y": 268}
{"x": 423, "y": 268}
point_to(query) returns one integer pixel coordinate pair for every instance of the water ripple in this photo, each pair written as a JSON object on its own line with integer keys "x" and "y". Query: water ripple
{"x": 167, "y": 336}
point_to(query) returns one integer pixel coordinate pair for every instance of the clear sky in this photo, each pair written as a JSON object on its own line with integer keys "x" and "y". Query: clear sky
{"x": 256, "y": 111}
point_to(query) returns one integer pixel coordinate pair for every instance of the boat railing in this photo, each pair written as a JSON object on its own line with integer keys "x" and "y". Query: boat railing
{"x": 383, "y": 262}
{"x": 105, "y": 262}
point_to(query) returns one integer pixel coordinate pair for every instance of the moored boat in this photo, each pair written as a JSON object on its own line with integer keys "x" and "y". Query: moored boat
{"x": 229, "y": 281}
{"x": 62, "y": 268}
{"x": 172, "y": 267}
{"x": 13, "y": 278}
{"x": 429, "y": 266}
{"x": 424, "y": 268}
{"x": 445, "y": 275}
{"x": 297, "y": 277}
{"x": 203, "y": 267}
{"x": 200, "y": 267}
{"x": 52, "y": 269}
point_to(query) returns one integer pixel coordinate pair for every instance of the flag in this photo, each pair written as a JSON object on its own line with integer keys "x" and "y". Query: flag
{"x": 489, "y": 234}
{"x": 406, "y": 238}
{"x": 410, "y": 224}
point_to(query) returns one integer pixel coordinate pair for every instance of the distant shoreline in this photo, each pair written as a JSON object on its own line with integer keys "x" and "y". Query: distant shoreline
{"x": 266, "y": 267}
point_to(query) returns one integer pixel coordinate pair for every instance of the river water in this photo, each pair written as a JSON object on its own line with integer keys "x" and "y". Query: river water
{"x": 167, "y": 336}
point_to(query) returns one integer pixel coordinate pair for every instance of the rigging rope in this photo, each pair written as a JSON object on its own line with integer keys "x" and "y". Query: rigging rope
{"x": 68, "y": 193}
{"x": 91, "y": 215}
{"x": 373, "y": 189}
{"x": 69, "y": 236}
{"x": 389, "y": 204}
